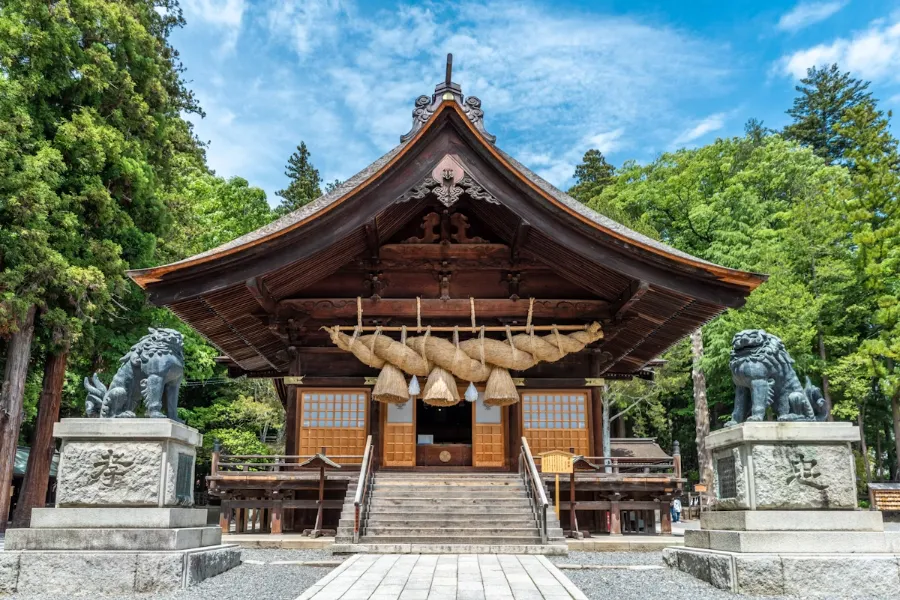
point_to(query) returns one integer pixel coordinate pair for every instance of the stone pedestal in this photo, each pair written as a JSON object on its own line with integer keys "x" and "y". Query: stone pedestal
{"x": 123, "y": 522}
{"x": 785, "y": 521}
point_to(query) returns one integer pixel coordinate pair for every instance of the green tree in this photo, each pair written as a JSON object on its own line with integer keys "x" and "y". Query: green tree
{"x": 824, "y": 97}
{"x": 591, "y": 176}
{"x": 304, "y": 182}
{"x": 92, "y": 100}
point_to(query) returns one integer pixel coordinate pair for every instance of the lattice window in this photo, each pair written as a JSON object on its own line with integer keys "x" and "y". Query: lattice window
{"x": 555, "y": 420}
{"x": 335, "y": 419}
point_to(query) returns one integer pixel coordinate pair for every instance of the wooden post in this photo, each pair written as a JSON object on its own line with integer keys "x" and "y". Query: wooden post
{"x": 292, "y": 420}
{"x": 37, "y": 473}
{"x": 665, "y": 517}
{"x": 597, "y": 407}
{"x": 676, "y": 459}
{"x": 615, "y": 516}
{"x": 225, "y": 518}
{"x": 557, "y": 495}
{"x": 12, "y": 392}
{"x": 277, "y": 514}
{"x": 573, "y": 524}
{"x": 515, "y": 436}
{"x": 317, "y": 530}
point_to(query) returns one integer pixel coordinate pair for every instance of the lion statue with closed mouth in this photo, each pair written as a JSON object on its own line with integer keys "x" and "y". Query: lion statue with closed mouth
{"x": 763, "y": 374}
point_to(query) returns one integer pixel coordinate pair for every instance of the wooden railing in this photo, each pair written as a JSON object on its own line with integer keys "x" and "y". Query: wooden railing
{"x": 362, "y": 487}
{"x": 250, "y": 464}
{"x": 535, "y": 486}
{"x": 624, "y": 464}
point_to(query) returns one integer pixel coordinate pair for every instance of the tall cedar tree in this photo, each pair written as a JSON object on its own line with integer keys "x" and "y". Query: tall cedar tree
{"x": 91, "y": 100}
{"x": 825, "y": 96}
{"x": 591, "y": 176}
{"x": 305, "y": 182}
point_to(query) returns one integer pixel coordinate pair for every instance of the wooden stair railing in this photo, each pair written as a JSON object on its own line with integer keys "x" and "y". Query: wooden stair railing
{"x": 535, "y": 486}
{"x": 359, "y": 500}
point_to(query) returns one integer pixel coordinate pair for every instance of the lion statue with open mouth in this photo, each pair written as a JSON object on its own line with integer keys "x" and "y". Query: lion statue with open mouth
{"x": 764, "y": 376}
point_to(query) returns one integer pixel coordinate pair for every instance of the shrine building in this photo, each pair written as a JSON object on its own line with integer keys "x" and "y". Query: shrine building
{"x": 448, "y": 269}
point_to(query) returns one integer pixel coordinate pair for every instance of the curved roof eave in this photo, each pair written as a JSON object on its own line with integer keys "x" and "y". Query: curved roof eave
{"x": 356, "y": 184}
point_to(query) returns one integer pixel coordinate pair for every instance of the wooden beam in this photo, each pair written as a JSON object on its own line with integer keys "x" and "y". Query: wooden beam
{"x": 372, "y": 241}
{"x": 498, "y": 253}
{"x": 519, "y": 240}
{"x": 632, "y": 296}
{"x": 257, "y": 288}
{"x": 345, "y": 308}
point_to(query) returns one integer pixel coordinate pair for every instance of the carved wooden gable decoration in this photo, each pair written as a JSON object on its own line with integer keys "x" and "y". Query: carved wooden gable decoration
{"x": 443, "y": 218}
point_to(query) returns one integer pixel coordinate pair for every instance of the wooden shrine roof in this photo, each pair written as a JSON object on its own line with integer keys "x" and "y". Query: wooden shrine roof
{"x": 241, "y": 294}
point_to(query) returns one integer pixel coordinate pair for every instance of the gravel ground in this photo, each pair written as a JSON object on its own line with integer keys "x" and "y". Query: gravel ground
{"x": 610, "y": 558}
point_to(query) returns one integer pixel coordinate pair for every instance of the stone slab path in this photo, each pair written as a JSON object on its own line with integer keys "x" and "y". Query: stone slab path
{"x": 445, "y": 577}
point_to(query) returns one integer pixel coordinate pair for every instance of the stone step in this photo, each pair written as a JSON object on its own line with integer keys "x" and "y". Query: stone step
{"x": 151, "y": 539}
{"x": 432, "y": 511}
{"x": 449, "y": 539}
{"x": 466, "y": 483}
{"x": 418, "y": 531}
{"x": 435, "y": 521}
{"x": 417, "y": 548}
{"x": 447, "y": 493}
{"x": 448, "y": 501}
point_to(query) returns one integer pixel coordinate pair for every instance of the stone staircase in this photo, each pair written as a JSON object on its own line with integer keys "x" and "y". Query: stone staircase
{"x": 447, "y": 512}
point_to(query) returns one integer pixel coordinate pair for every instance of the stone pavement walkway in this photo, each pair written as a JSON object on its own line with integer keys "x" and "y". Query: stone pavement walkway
{"x": 445, "y": 577}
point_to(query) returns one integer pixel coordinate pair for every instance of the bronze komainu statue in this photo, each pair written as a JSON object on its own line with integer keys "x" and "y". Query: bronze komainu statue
{"x": 764, "y": 375}
{"x": 151, "y": 370}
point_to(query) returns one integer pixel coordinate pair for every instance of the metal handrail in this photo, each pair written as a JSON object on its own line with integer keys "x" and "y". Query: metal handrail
{"x": 538, "y": 494}
{"x": 360, "y": 497}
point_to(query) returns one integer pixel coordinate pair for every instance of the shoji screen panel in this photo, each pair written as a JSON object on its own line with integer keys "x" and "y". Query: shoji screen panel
{"x": 335, "y": 419}
{"x": 556, "y": 420}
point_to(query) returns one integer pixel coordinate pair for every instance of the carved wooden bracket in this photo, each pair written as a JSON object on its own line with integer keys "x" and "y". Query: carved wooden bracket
{"x": 447, "y": 182}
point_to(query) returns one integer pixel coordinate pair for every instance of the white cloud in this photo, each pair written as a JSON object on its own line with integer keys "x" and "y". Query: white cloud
{"x": 607, "y": 141}
{"x": 553, "y": 84}
{"x": 226, "y": 15}
{"x": 307, "y": 24}
{"x": 708, "y": 125}
{"x": 873, "y": 53}
{"x": 809, "y": 13}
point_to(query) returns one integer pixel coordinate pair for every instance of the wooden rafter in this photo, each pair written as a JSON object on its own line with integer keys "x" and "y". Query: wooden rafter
{"x": 631, "y": 297}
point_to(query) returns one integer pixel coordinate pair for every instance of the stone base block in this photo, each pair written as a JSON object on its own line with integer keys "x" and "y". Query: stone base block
{"x": 793, "y": 520}
{"x": 123, "y": 517}
{"x": 91, "y": 574}
{"x": 113, "y": 539}
{"x": 806, "y": 575}
{"x": 788, "y": 542}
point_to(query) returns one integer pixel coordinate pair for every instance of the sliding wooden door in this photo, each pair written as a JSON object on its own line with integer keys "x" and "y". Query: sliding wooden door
{"x": 334, "y": 419}
{"x": 556, "y": 420}
{"x": 400, "y": 435}
{"x": 488, "y": 443}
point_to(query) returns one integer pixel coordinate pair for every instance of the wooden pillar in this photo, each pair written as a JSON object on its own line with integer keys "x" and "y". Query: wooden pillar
{"x": 596, "y": 408}
{"x": 615, "y": 516}
{"x": 37, "y": 473}
{"x": 225, "y": 518}
{"x": 277, "y": 516}
{"x": 665, "y": 518}
{"x": 515, "y": 435}
{"x": 292, "y": 408}
{"x": 12, "y": 393}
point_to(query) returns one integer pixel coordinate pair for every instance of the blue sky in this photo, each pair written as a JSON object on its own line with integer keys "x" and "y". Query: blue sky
{"x": 633, "y": 79}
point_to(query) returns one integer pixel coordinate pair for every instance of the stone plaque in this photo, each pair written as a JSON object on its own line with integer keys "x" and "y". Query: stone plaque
{"x": 184, "y": 487}
{"x": 726, "y": 476}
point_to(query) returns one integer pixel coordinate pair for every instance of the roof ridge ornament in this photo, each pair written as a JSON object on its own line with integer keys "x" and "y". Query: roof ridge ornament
{"x": 425, "y": 107}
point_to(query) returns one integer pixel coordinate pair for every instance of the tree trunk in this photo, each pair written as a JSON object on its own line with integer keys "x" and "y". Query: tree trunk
{"x": 863, "y": 448}
{"x": 895, "y": 411}
{"x": 826, "y": 393}
{"x": 879, "y": 459}
{"x": 701, "y": 411}
{"x": 37, "y": 474}
{"x": 18, "y": 352}
{"x": 891, "y": 455}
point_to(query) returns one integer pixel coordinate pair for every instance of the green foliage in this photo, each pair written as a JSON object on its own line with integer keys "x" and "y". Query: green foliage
{"x": 304, "y": 182}
{"x": 591, "y": 176}
{"x": 824, "y": 97}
